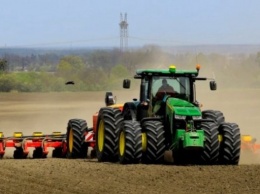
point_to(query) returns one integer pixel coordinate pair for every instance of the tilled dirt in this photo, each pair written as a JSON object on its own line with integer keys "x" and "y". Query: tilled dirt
{"x": 51, "y": 111}
{"x": 88, "y": 176}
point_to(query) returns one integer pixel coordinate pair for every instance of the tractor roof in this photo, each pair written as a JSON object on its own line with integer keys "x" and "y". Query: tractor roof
{"x": 166, "y": 72}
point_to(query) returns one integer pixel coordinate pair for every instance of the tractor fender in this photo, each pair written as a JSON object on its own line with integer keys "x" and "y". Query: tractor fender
{"x": 129, "y": 111}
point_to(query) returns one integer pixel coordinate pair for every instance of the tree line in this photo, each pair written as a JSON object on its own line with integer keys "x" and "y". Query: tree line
{"x": 105, "y": 69}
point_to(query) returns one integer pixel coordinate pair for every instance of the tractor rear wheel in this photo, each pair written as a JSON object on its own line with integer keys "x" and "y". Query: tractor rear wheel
{"x": 229, "y": 151}
{"x": 211, "y": 145}
{"x": 214, "y": 115}
{"x": 153, "y": 142}
{"x": 76, "y": 147}
{"x": 130, "y": 142}
{"x": 108, "y": 125}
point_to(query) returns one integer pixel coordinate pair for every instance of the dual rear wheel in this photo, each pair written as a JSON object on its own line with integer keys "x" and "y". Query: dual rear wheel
{"x": 127, "y": 141}
{"x": 228, "y": 136}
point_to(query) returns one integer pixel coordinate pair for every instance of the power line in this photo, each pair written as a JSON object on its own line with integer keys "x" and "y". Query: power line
{"x": 65, "y": 42}
{"x": 158, "y": 40}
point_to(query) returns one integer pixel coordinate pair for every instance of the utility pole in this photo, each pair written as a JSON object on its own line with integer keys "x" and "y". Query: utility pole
{"x": 123, "y": 32}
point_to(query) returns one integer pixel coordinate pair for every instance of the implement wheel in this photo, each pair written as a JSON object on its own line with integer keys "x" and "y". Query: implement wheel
{"x": 57, "y": 153}
{"x": 109, "y": 122}
{"x": 153, "y": 142}
{"x": 76, "y": 147}
{"x": 130, "y": 142}
{"x": 211, "y": 145}
{"x": 229, "y": 151}
{"x": 38, "y": 153}
{"x": 18, "y": 153}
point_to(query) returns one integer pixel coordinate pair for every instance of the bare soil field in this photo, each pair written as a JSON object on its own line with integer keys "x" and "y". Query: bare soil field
{"x": 48, "y": 112}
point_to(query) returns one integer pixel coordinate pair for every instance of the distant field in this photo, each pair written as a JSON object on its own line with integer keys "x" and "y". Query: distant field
{"x": 48, "y": 112}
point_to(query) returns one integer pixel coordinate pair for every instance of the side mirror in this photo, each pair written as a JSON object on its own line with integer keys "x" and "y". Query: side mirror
{"x": 213, "y": 85}
{"x": 109, "y": 99}
{"x": 126, "y": 83}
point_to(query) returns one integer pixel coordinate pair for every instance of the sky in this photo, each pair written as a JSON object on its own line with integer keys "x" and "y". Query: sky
{"x": 95, "y": 23}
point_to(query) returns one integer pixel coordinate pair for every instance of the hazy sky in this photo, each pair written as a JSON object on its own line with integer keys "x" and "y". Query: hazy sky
{"x": 73, "y": 23}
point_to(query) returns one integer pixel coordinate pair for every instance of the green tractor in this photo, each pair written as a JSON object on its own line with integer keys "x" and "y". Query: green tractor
{"x": 166, "y": 120}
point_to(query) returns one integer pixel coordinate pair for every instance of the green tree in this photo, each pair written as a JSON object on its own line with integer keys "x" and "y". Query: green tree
{"x": 3, "y": 65}
{"x": 69, "y": 66}
{"x": 119, "y": 71}
{"x": 7, "y": 83}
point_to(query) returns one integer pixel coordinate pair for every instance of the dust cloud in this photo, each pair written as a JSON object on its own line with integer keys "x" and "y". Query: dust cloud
{"x": 48, "y": 112}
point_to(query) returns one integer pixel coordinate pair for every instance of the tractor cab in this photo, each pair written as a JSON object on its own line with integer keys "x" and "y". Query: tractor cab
{"x": 164, "y": 87}
{"x": 157, "y": 86}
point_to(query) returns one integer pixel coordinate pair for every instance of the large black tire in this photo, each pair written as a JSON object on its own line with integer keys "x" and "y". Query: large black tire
{"x": 130, "y": 142}
{"x": 76, "y": 147}
{"x": 229, "y": 151}
{"x": 153, "y": 142}
{"x": 108, "y": 125}
{"x": 214, "y": 115}
{"x": 210, "y": 154}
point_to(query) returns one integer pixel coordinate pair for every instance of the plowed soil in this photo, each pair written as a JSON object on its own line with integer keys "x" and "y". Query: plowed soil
{"x": 48, "y": 112}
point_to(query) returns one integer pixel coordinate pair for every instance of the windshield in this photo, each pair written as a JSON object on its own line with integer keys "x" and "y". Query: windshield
{"x": 178, "y": 87}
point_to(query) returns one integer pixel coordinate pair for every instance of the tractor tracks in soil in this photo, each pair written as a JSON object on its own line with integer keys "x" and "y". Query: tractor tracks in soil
{"x": 89, "y": 176}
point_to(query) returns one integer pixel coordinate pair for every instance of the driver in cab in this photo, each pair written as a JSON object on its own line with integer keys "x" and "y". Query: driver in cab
{"x": 163, "y": 90}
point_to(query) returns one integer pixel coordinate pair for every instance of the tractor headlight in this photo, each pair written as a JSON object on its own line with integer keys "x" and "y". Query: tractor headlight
{"x": 196, "y": 117}
{"x": 181, "y": 117}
